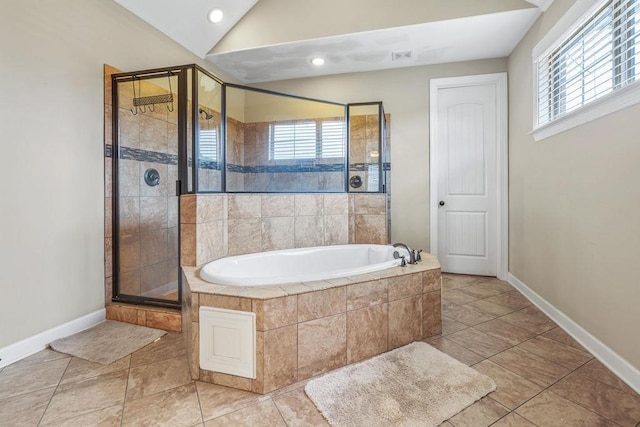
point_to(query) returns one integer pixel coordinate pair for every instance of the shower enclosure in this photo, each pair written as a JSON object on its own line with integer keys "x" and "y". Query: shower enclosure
{"x": 155, "y": 114}
{"x": 180, "y": 130}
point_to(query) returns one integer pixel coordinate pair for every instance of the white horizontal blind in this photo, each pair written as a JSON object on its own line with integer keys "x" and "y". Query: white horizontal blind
{"x": 598, "y": 58}
{"x": 333, "y": 138}
{"x": 208, "y": 144}
{"x": 295, "y": 140}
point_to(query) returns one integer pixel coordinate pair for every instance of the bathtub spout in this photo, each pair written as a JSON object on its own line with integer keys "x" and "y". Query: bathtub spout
{"x": 412, "y": 254}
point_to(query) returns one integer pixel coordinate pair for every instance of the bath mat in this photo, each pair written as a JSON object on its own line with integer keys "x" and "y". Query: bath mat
{"x": 414, "y": 385}
{"x": 107, "y": 342}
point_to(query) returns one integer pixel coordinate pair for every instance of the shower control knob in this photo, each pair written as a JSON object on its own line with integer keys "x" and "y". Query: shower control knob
{"x": 441, "y": 203}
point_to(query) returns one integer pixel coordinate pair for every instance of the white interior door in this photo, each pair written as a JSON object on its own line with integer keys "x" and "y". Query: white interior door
{"x": 467, "y": 179}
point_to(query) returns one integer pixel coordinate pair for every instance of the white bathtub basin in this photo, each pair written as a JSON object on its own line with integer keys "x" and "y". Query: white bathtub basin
{"x": 300, "y": 265}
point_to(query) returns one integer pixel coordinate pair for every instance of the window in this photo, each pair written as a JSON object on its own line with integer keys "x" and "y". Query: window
{"x": 209, "y": 144}
{"x": 332, "y": 139}
{"x": 598, "y": 57}
{"x": 307, "y": 139}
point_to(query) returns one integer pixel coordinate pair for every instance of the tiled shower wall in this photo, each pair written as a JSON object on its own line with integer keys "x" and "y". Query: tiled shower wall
{"x": 217, "y": 225}
{"x": 363, "y": 142}
{"x": 251, "y": 170}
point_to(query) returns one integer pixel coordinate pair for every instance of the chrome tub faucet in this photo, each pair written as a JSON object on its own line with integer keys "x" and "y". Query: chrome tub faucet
{"x": 412, "y": 253}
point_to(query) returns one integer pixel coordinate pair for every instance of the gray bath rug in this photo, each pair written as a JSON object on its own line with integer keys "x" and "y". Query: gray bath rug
{"x": 415, "y": 385}
{"x": 107, "y": 342}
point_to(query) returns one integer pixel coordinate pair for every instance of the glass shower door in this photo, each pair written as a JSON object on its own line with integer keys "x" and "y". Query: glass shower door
{"x": 146, "y": 244}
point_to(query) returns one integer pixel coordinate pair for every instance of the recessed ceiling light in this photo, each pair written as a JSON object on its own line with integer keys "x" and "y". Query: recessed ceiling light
{"x": 317, "y": 61}
{"x": 215, "y": 16}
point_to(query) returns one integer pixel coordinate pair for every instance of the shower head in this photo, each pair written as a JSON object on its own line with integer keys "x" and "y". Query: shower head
{"x": 207, "y": 116}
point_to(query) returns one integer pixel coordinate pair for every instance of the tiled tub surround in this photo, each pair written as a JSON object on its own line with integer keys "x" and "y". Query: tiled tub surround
{"x": 218, "y": 225}
{"x": 306, "y": 329}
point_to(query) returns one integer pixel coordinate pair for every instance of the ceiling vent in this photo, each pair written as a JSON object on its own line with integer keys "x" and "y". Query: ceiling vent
{"x": 397, "y": 56}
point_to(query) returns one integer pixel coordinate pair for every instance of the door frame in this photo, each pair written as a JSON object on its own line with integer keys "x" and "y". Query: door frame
{"x": 499, "y": 80}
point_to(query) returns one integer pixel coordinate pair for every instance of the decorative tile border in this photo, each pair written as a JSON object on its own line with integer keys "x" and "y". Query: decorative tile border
{"x": 137, "y": 154}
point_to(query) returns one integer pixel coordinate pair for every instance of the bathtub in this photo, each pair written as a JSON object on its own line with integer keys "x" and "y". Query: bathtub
{"x": 300, "y": 265}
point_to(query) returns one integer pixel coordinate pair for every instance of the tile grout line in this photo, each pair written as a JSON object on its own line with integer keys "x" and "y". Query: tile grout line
{"x": 126, "y": 389}
{"x": 54, "y": 391}
{"x": 279, "y": 412}
{"x": 199, "y": 401}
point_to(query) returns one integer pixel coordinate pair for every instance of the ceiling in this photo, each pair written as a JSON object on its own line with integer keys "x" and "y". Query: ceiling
{"x": 264, "y": 44}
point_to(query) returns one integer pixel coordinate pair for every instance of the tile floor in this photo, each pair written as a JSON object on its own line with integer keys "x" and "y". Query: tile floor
{"x": 544, "y": 378}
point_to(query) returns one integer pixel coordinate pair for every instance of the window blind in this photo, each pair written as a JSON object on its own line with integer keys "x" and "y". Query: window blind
{"x": 209, "y": 144}
{"x": 296, "y": 140}
{"x": 597, "y": 58}
{"x": 333, "y": 139}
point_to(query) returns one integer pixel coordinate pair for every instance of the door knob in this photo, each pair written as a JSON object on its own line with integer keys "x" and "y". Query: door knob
{"x": 441, "y": 203}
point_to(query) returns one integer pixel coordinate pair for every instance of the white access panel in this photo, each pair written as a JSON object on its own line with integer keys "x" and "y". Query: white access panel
{"x": 227, "y": 341}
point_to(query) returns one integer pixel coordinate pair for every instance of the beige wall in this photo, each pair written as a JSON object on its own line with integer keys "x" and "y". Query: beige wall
{"x": 51, "y": 167}
{"x": 574, "y": 202}
{"x": 405, "y": 94}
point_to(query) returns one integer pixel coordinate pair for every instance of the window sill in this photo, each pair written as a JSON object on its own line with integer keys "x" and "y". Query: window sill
{"x": 615, "y": 101}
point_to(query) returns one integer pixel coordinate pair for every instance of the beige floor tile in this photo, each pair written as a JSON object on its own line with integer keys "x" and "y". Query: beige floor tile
{"x": 513, "y": 420}
{"x": 176, "y": 407}
{"x": 146, "y": 380}
{"x": 452, "y": 284}
{"x": 464, "y": 278}
{"x": 511, "y": 299}
{"x": 469, "y": 316}
{"x": 292, "y": 387}
{"x": 216, "y": 400}
{"x": 530, "y": 318}
{"x": 596, "y": 370}
{"x": 482, "y": 290}
{"x": 608, "y": 401}
{"x": 262, "y": 414}
{"x": 454, "y": 350}
{"x": 46, "y": 355}
{"x": 25, "y": 409}
{"x": 479, "y": 342}
{"x": 108, "y": 417}
{"x": 560, "y": 335}
{"x": 169, "y": 346}
{"x": 450, "y": 326}
{"x": 484, "y": 412}
{"x": 549, "y": 409}
{"x": 505, "y": 331}
{"x": 82, "y": 397}
{"x": 80, "y": 369}
{"x": 298, "y": 410}
{"x": 530, "y": 366}
{"x": 559, "y": 353}
{"x": 456, "y": 296}
{"x": 512, "y": 389}
{"x": 28, "y": 378}
{"x": 490, "y": 307}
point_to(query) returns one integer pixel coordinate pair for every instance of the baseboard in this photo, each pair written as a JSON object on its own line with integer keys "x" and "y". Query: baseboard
{"x": 618, "y": 365}
{"x": 14, "y": 352}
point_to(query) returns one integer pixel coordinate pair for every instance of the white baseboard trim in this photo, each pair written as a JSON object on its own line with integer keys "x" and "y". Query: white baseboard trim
{"x": 14, "y": 352}
{"x": 618, "y": 365}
